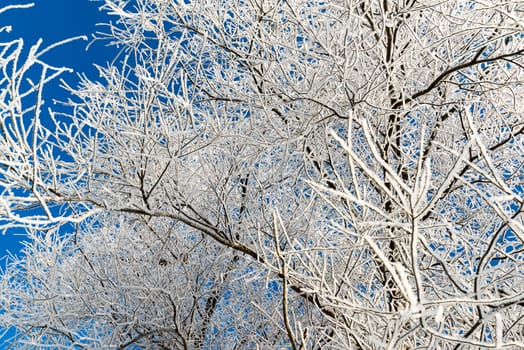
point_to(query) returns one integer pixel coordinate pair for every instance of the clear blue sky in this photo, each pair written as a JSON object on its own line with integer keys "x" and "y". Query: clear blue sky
{"x": 55, "y": 20}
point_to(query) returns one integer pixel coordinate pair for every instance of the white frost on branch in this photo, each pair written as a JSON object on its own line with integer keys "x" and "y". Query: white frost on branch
{"x": 253, "y": 174}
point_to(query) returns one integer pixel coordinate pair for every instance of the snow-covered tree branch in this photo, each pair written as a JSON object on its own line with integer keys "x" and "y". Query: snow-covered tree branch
{"x": 273, "y": 174}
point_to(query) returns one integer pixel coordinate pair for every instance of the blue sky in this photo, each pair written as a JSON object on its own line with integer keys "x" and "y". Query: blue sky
{"x": 53, "y": 21}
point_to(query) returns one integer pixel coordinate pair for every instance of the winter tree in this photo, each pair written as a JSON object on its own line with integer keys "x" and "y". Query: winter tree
{"x": 263, "y": 174}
